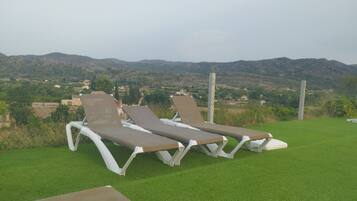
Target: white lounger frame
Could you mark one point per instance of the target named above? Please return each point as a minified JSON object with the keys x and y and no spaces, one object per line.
{"x":175,"y":121}
{"x":108,"y":158}
{"x":213,"y":150}
{"x":352,"y":120}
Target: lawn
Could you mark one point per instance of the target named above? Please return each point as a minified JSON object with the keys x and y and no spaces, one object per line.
{"x":320,"y":164}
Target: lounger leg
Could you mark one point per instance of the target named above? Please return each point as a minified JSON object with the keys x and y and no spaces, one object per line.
{"x":77,"y":140}
{"x":214,"y":149}
{"x":220,"y":147}
{"x":103,"y":150}
{"x":166,"y":157}
{"x":244,"y":140}
{"x":206,"y":151}
{"x":136,"y":151}
{"x":261,"y":147}
{"x":71,"y":146}
{"x":108,"y":158}
{"x":184,"y":152}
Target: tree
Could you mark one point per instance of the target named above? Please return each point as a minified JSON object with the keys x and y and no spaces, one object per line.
{"x":159,"y":97}
{"x":349,"y":86}
{"x":3,"y":107}
{"x":116,"y":91}
{"x":61,"y":114}
{"x":103,"y":83}
{"x":92,"y":84}
{"x":19,"y":100}
{"x":133,"y":96}
{"x":340,"y":107}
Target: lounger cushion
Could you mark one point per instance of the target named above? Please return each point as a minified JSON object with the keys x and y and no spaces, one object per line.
{"x":105,"y":193}
{"x":188,"y":110}
{"x":185,"y":134}
{"x":131,"y":138}
{"x":189,"y":113}
{"x":103,"y":119}
{"x":236,"y":132}
{"x":145,"y":118}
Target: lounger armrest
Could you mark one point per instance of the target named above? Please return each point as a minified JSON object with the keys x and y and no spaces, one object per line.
{"x":133,"y":126}
{"x":177,"y":124}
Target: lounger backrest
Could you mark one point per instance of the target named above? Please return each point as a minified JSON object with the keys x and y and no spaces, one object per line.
{"x":101,"y":111}
{"x":187,"y":109}
{"x":142,"y":116}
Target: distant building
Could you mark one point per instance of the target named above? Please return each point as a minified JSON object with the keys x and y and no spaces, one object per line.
{"x":22,"y":79}
{"x":5,"y":121}
{"x":182,"y":92}
{"x":123,"y":88}
{"x":230,"y":102}
{"x":145,"y":89}
{"x":85,"y":87}
{"x":86,"y":83}
{"x":75,"y":101}
{"x":66,"y":102}
{"x":43,"y":109}
{"x":288,"y":89}
{"x":77,"y":89}
{"x":262,"y":102}
{"x":57,"y":86}
{"x":244,"y":98}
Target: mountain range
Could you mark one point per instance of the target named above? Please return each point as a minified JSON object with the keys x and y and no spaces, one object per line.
{"x":276,"y":72}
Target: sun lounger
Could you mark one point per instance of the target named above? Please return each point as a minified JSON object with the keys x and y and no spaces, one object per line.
{"x":103,"y":122}
{"x":105,"y":193}
{"x":189,"y":114}
{"x":145,"y":118}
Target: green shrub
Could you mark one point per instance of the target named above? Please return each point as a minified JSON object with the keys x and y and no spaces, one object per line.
{"x":254,"y":114}
{"x":35,"y":134}
{"x":3,"y":108}
{"x":61,"y":114}
{"x":162,"y":111}
{"x":284,"y":113}
{"x":158,"y":97}
{"x":102,"y":83}
{"x":38,"y":132}
{"x":340,"y":107}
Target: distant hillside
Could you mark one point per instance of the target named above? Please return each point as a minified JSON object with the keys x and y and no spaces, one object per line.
{"x":278,"y":72}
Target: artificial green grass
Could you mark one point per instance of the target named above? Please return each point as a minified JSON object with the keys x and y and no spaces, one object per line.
{"x":320,"y":164}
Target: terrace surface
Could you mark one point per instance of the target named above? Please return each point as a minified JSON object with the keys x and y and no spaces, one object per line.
{"x":320,"y":164}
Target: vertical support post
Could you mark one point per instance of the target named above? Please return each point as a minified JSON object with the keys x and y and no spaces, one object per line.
{"x":302,"y":100}
{"x":211,"y":96}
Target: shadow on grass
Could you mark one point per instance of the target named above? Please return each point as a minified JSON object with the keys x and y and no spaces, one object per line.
{"x":148,"y":165}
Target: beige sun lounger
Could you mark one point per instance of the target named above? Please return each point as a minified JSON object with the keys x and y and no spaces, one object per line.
{"x":189,"y":114}
{"x":105,"y":193}
{"x":103,"y":122}
{"x":145,"y":118}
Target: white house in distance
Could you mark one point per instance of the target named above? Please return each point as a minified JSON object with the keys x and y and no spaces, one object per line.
{"x":75,"y":101}
{"x":86,"y":84}
{"x":5,"y":121}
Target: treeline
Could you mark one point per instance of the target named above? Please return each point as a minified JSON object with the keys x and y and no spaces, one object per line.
{"x":16,"y":98}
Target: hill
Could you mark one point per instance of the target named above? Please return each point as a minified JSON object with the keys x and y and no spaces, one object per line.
{"x":277,"y":72}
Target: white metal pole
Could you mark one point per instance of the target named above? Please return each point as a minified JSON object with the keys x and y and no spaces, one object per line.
{"x":302,"y":100}
{"x":211,"y":96}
